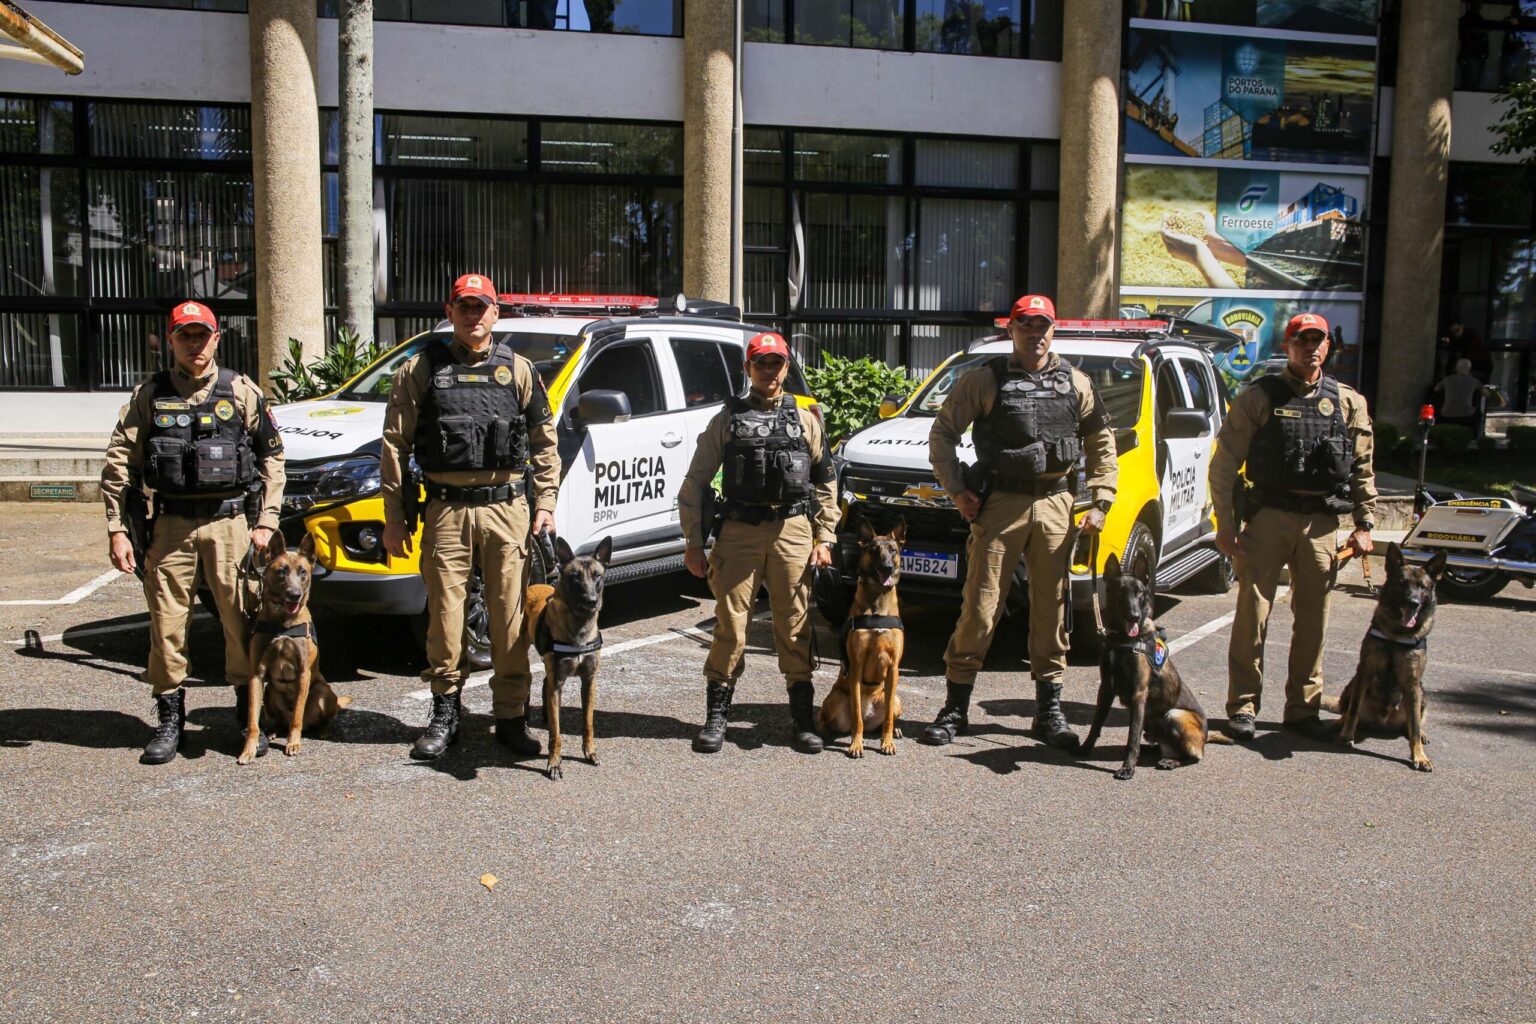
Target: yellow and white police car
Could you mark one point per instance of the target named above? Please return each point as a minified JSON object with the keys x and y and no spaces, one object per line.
{"x":632,"y":382}
{"x":1166,"y":402}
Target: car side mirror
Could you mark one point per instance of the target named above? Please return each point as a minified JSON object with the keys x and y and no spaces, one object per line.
{"x":602,"y":406}
{"x":1185,"y":423}
{"x":890,"y":405}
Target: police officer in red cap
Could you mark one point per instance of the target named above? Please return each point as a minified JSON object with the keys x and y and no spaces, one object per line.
{"x":780,"y":518}
{"x":1307,"y":443}
{"x":201,"y":438}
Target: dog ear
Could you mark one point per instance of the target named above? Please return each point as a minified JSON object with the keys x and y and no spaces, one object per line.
{"x":604,"y":551}
{"x":563,"y":551}
{"x":1436,"y":566}
{"x":276,"y":548}
{"x":866,"y":531}
{"x":1394,"y":558}
{"x":899,"y":533}
{"x":1112,"y":566}
{"x":307,"y":546}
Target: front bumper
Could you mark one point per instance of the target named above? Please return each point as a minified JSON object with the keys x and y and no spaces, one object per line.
{"x":357,"y":593}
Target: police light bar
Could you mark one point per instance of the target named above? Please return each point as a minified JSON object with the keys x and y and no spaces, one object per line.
{"x":576,"y":301}
{"x":1103,"y":326}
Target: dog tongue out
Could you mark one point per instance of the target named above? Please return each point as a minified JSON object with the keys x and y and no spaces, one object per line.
{"x":292,"y":607}
{"x":1135,"y":629}
{"x":1411,"y":620}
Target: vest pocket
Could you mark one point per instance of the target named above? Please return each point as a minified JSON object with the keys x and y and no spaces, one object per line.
{"x":166,"y":467}
{"x":500,"y":444}
{"x":1022,"y":463}
{"x":217,"y":463}
{"x":795,"y":475}
{"x":462,"y":442}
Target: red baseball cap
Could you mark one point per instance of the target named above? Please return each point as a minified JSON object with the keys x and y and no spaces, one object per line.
{"x":1305,"y":322}
{"x":767,"y":344}
{"x":192,"y":313}
{"x":1033,"y":305}
{"x":473,"y":286}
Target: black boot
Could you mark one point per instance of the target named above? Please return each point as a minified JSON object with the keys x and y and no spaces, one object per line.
{"x":806,"y":740}
{"x":513,"y":733}
{"x":442,"y":730}
{"x":717,"y":705}
{"x":954,"y":717}
{"x":1050,"y":724}
{"x":242,"y":708}
{"x":172,"y":710}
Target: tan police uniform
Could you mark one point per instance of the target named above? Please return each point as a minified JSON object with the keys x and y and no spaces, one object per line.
{"x":202,"y":537}
{"x":1012,"y":524}
{"x":457,"y":527}
{"x":1301,"y":537}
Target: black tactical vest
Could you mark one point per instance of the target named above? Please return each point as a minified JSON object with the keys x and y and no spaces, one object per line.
{"x":1032,"y":429}
{"x":470,"y":417}
{"x":197,"y":449}
{"x":767,"y":461}
{"x":1304,"y":445}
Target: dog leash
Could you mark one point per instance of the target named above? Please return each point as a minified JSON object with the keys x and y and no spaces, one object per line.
{"x":245,"y":572}
{"x":1069,"y":619}
{"x":546,"y":542}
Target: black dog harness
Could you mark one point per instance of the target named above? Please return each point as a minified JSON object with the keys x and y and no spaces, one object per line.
{"x":865,"y":622}
{"x":1153,"y":646}
{"x":303,"y":631}
{"x":545,"y":643}
{"x":1413,"y":645}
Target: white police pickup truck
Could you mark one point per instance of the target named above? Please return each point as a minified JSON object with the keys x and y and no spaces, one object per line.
{"x":1166,"y":403}
{"x":632,"y":383}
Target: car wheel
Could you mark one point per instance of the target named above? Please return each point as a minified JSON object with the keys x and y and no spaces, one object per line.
{"x":1471,"y":584}
{"x":1218,"y":577}
{"x":1141,"y":555}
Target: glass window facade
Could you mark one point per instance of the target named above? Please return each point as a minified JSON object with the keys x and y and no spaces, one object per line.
{"x":634,"y":17}
{"x":110,"y":212}
{"x":983,"y":28}
{"x":1495,"y":44}
{"x":900,"y":248}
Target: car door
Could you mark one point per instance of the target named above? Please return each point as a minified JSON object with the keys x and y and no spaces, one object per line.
{"x":623,"y":480}
{"x":710,"y":371}
{"x":1200,"y":386}
{"x":1179,"y":459}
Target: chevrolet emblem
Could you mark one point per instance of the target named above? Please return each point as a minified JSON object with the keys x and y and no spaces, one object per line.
{"x":924,"y":492}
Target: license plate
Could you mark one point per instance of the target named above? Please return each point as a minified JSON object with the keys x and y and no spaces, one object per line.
{"x":930,"y":563}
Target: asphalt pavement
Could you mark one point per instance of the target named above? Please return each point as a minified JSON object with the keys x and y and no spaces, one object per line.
{"x":990,"y":880}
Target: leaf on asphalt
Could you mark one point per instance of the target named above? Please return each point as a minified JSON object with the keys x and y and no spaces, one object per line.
{"x":1370,"y":824}
{"x":489,"y":881}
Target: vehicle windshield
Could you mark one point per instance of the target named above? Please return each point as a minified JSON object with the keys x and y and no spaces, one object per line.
{"x":547,"y":352}
{"x":1117,"y":380}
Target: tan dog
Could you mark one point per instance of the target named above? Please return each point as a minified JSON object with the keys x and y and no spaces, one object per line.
{"x":560,"y":622}
{"x":873,"y":643}
{"x":285,"y":660}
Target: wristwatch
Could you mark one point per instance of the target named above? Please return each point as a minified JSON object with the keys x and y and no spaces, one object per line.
{"x":1367,"y":526}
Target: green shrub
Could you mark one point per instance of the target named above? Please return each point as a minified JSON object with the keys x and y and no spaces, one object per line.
{"x":1487,"y":444}
{"x":296,"y":380}
{"x":1450,"y":438}
{"x":1387,"y":437}
{"x":1523,"y":439}
{"x":850,"y":391}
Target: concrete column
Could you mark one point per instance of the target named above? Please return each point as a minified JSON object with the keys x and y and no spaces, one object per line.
{"x":355,"y":275}
{"x":1421,"y":148}
{"x":285,"y":150}
{"x":709,"y":152}
{"x":1086,"y":281}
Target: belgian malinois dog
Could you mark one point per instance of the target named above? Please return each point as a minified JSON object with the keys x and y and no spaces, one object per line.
{"x":1136,"y":667}
{"x":1386,"y":696}
{"x":560,"y":622}
{"x":873,"y":642}
{"x":285,"y":660}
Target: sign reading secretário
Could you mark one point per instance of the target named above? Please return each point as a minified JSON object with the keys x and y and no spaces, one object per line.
{"x":52,"y":492}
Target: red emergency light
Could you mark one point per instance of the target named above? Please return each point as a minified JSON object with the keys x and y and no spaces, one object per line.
{"x":576,"y":301}
{"x":1098,"y":325}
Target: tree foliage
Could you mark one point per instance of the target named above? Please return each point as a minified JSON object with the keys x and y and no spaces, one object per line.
{"x":850,"y":391}
{"x":1516,"y":129}
{"x":296,"y":380}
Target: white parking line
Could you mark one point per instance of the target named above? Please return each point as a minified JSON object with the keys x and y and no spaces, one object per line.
{"x":122,"y":627}
{"x":76,"y":595}
{"x":1216,"y":625}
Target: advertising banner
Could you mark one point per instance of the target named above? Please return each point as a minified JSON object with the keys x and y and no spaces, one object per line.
{"x":1217,"y":96}
{"x":1235,"y":228}
{"x":1338,"y":17}
{"x":1261,"y":324}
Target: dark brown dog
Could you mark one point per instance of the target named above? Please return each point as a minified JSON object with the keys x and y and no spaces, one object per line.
{"x":873,"y":643}
{"x":1136,"y":667}
{"x":560,"y":622}
{"x":284,"y":656}
{"x":1386,"y":696}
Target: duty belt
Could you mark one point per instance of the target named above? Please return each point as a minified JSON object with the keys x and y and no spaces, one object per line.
{"x":1289,"y":501}
{"x":1037,"y":487}
{"x":202,"y":508}
{"x":492,"y":494}
{"x":752,"y":515}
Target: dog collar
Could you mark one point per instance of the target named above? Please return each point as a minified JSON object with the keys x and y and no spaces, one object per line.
{"x":875,"y":622}
{"x":545,"y":643}
{"x":302,"y":631}
{"x":1414,"y":645}
{"x":1153,"y":646}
